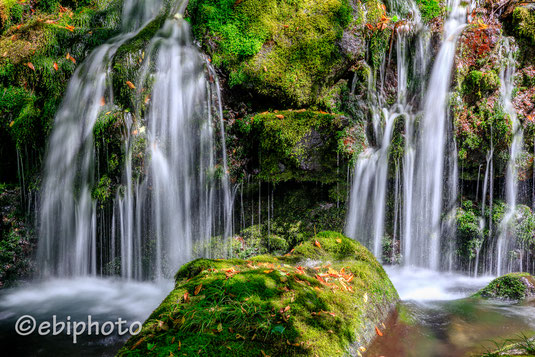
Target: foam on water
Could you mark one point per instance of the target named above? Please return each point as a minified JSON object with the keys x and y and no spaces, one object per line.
{"x":418,"y":284}
{"x":102,"y":298}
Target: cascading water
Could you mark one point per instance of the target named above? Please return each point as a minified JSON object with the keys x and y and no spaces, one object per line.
{"x":424,"y":165}
{"x":506,"y":239}
{"x":422,"y":239}
{"x":365,"y":222}
{"x":183,"y":183}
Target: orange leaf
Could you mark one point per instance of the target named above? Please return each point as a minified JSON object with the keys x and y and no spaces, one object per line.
{"x":338,"y":240}
{"x":11,"y":124}
{"x":197,"y":289}
{"x":370,"y":27}
{"x":280,"y":116}
{"x":71,"y":58}
{"x":70,"y":28}
{"x":56,"y":66}
{"x":130,"y":84}
{"x":378,"y":331}
{"x":317,"y":244}
{"x":186,"y":297}
{"x":268,"y":271}
{"x":31,"y":66}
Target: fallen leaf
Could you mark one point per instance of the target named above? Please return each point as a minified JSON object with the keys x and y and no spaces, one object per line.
{"x":71,"y":58}
{"x":56,"y":66}
{"x":70,"y":28}
{"x":197,"y":290}
{"x":11,"y":124}
{"x":29,"y":64}
{"x":130,"y":84}
{"x":268,"y":271}
{"x":280,"y":116}
{"x":317,"y":244}
{"x":378,"y":331}
{"x":186,"y":297}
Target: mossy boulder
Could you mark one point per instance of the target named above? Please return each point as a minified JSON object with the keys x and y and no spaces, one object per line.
{"x":513,"y":286}
{"x":292,"y":51}
{"x":328,"y":297}
{"x":295,"y":145}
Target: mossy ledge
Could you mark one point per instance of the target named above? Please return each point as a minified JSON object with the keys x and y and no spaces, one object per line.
{"x":514,"y":286}
{"x":328,"y":297}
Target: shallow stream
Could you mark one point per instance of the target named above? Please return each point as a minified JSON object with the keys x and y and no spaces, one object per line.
{"x":436,"y":317}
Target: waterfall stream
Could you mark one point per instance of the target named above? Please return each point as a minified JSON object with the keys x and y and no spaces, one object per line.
{"x":506,"y":238}
{"x":183,"y":197}
{"x":427,"y":134}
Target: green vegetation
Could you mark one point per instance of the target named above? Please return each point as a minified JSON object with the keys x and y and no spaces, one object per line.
{"x":323,"y":298}
{"x":524,"y":22}
{"x":429,"y":9}
{"x":514,"y":286}
{"x":294,"y":145}
{"x":37,"y":57}
{"x":285,"y":49}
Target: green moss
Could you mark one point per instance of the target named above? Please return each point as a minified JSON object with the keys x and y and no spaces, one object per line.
{"x":429,"y":9}
{"x":509,"y":287}
{"x":31,"y":88}
{"x":524,"y":22}
{"x":272,"y":305}
{"x":293,"y":145}
{"x":283,"y":49}
{"x":477,"y":82}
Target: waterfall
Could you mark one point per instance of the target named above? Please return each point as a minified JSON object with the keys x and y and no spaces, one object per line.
{"x":427,"y":135}
{"x":367,"y":204}
{"x":506,"y":239}
{"x":183,"y":196}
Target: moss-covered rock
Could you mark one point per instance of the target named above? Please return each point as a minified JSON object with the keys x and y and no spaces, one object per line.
{"x":296,"y":145}
{"x":327,"y":297}
{"x":292,"y":51}
{"x":514,"y":286}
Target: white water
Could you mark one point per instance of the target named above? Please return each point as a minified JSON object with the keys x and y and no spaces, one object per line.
{"x":424,"y":190}
{"x":367,"y":208}
{"x":420,"y":284}
{"x":184,"y":188}
{"x":506,"y":238}
{"x":426,"y":172}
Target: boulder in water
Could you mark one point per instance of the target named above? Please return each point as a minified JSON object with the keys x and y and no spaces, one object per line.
{"x":328,"y":297}
{"x":513,"y":286}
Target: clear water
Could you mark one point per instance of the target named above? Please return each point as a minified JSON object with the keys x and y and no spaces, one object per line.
{"x":437,"y":319}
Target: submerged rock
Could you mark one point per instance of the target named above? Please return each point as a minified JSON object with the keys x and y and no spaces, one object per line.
{"x":328,"y":297}
{"x":514,"y":286}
